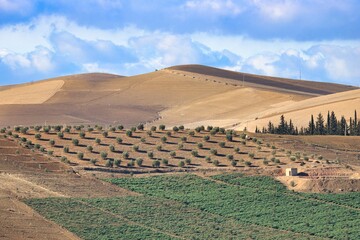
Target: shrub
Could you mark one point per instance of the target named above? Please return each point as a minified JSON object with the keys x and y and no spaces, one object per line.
{"x":222,"y":144}
{"x":52,"y":142}
{"x":75,"y":141}
{"x":82,"y":134}
{"x":135,"y":148}
{"x":38,"y":136}
{"x":139,"y":161}
{"x":46,"y":129}
{"x":184,"y":139}
{"x":168,"y":133}
{"x":293,"y":158}
{"x":192,"y":133}
{"x":149,"y":133}
{"x":64,"y":159}
{"x":181,"y":127}
{"x":109,"y":163}
{"x":208,"y":159}
{"x":175,"y":129}
{"x":60,"y":135}
{"x":163,"y":139}
{"x":129,"y":133}
{"x":66,"y":149}
{"x":80,"y":155}
{"x":216,"y":162}
{"x":143,"y":140}
{"x":188,"y":161}
{"x":248,"y":164}
{"x":103,"y":155}
{"x":236,"y":150}
{"x":150,"y":155}
{"x":320,"y":157}
{"x":153,"y":128}
{"x":213,"y":132}
{"x":251,"y":155}
{"x":180,"y":146}
{"x":230,"y":157}
{"x":159,"y":147}
{"x":90,"y":148}
{"x":209,"y":128}
{"x":198,"y":129}
{"x":93,"y":161}
{"x":117,"y":162}
{"x":120,"y":127}
{"x":105,"y":134}
{"x":172,"y":154}
{"x":229,"y":137}
{"x":273,"y":147}
{"x":200,"y":145}
{"x":306,"y":158}
{"x":213,"y":151}
{"x":90,"y":129}
{"x":277,"y":161}
{"x":265,"y":162}
{"x":233,"y":163}
{"x":125,"y":155}
{"x":98,"y":141}
{"x":165,"y":161}
{"x":206,"y":138}
{"x":222,"y":130}
{"x":194,"y":153}
{"x":162,"y":127}
{"x":258,"y":148}
{"x":131,"y":163}
{"x":140,"y":127}
{"x":273,"y":152}
{"x":181,"y":164}
{"x":119,"y":140}
{"x":156,"y":164}
{"x":112,"y":148}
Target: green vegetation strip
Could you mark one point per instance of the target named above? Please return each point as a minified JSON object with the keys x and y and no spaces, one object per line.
{"x":227,"y":206}
{"x":259,"y":201}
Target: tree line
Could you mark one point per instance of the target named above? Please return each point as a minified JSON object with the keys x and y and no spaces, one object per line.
{"x":331,"y":126}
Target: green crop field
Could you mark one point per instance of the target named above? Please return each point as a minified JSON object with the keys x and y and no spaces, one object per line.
{"x":228,"y":206}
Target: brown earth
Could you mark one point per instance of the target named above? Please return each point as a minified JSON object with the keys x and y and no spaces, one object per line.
{"x":190,"y":95}
{"x":24,"y":174}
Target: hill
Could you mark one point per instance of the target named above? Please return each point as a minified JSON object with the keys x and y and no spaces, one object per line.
{"x":188,"y":94}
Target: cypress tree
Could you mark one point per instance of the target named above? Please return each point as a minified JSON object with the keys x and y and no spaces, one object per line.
{"x":320,"y":129}
{"x":333,"y":124}
{"x":311,"y":126}
{"x":328,"y":125}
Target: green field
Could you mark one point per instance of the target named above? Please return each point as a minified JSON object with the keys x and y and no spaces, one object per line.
{"x":227,"y":206}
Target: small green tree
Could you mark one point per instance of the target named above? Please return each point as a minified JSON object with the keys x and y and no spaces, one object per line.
{"x":156,"y":163}
{"x":93,"y":161}
{"x":75,"y":142}
{"x":119,"y":140}
{"x":216,"y":162}
{"x":165,"y":162}
{"x":125,"y":155}
{"x":206,"y":138}
{"x":38,"y":136}
{"x":153,"y":128}
{"x":230,"y":157}
{"x":175,"y":129}
{"x":52,"y":142}
{"x":105,"y":134}
{"x":181,"y":164}
{"x":139,"y":162}
{"x":112,"y":148}
{"x":90,"y":148}
{"x":109,"y":163}
{"x":236,"y":149}
{"x":117,"y":162}
{"x":135,"y":148}
{"x":163,"y":139}
{"x":80,"y":155}
{"x":103,"y":155}
{"x":200,"y":145}
{"x":162,"y":127}
{"x":173,"y":154}
{"x":98,"y":141}
{"x":222,"y":144}
{"x":66,"y":149}
{"x":194,"y":153}
{"x":213,"y":151}
{"x":82,"y":134}
{"x":188,"y":161}
{"x":233,"y":163}
{"x":129,"y":133}
{"x":60,"y":135}
{"x":150,"y":155}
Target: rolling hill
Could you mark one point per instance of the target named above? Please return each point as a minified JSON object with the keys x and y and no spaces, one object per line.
{"x":187,"y":94}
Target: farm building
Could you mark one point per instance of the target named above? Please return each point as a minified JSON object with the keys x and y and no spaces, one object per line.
{"x":291,"y":172}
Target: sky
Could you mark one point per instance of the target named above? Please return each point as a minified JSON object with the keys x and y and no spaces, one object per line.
{"x":44,"y":38}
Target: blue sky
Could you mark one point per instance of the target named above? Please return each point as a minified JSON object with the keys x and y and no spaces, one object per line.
{"x":44,"y":38}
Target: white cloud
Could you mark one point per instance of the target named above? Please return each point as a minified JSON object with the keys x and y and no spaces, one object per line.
{"x":20,"y":6}
{"x":221,"y":7}
{"x":278,"y":9}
